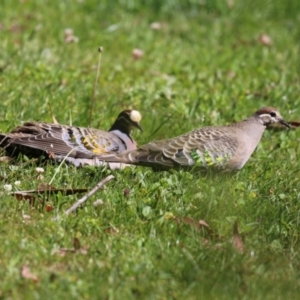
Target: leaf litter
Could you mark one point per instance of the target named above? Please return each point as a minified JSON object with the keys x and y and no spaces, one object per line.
{"x":237,"y":241}
{"x":47,"y":189}
{"x":27,"y":274}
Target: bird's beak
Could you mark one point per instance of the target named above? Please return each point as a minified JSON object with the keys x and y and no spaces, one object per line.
{"x":285,"y":123}
{"x":138,"y":126}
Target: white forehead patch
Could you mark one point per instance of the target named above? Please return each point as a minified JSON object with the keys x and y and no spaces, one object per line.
{"x":135,"y":116}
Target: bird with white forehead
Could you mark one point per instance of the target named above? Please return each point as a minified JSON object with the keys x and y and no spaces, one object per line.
{"x":219,"y":147}
{"x":77,"y":145}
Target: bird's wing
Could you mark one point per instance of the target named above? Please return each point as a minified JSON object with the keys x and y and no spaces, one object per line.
{"x":205,"y":147}
{"x":65,"y":140}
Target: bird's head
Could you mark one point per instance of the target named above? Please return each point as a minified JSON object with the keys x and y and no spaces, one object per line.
{"x":127,"y":120}
{"x":270,"y":115}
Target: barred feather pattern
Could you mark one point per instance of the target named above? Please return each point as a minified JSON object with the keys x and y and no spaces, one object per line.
{"x":77,"y":145}
{"x":219,"y":147}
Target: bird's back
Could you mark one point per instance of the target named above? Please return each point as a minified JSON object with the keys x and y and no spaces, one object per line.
{"x":64,"y":140}
{"x":207,"y":147}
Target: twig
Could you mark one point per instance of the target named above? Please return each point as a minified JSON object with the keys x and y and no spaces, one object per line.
{"x":89,"y":194}
{"x":100,"y":50}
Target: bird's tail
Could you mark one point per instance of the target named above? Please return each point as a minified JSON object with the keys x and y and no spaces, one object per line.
{"x":141,"y":157}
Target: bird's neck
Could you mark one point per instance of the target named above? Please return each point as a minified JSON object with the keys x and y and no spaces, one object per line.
{"x":120,"y":126}
{"x":126,"y":139}
{"x":253,"y":126}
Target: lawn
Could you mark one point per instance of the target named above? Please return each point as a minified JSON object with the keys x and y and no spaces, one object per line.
{"x":155,"y":235}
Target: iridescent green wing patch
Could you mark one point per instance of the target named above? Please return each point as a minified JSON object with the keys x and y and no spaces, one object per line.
{"x":205,"y":159}
{"x":73,"y":140}
{"x":71,"y":137}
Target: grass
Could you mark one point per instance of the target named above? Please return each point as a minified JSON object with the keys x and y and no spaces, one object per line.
{"x":204,"y":66}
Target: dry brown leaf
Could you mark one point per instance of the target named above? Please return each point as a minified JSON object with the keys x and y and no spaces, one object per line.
{"x":63,"y":251}
{"x":31,"y":198}
{"x":69,"y":191}
{"x":77,"y":248}
{"x":237,"y":242}
{"x":112,"y":230}
{"x":48,"y":207}
{"x":126,"y":192}
{"x":231,"y":74}
{"x":198,"y":225}
{"x":25,"y":273}
{"x":5,"y":159}
{"x":51,"y":154}
{"x":137,"y":54}
{"x":190,"y":221}
{"x":26,"y":217}
{"x":156,"y":26}
{"x":46,"y":189}
{"x":24,"y":196}
{"x":205,"y":241}
{"x":76,"y":243}
{"x":203,"y":223}
{"x":265,"y":39}
{"x":205,"y":226}
{"x":43,"y":188}
{"x":69,"y":36}
{"x":83,"y":250}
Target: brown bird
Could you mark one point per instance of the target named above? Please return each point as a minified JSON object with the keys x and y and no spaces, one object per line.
{"x":77,"y":145}
{"x":222,"y":147}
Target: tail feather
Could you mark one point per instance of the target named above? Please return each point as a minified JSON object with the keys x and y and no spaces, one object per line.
{"x":140,"y":157}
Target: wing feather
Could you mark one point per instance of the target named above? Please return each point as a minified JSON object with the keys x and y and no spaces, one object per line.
{"x":64,"y":140}
{"x":208,"y":146}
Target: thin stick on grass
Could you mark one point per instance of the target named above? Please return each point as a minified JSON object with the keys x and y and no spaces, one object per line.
{"x":100,"y":50}
{"x":89,"y":194}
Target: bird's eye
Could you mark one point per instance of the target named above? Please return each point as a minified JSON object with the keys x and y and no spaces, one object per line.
{"x":273,"y":114}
